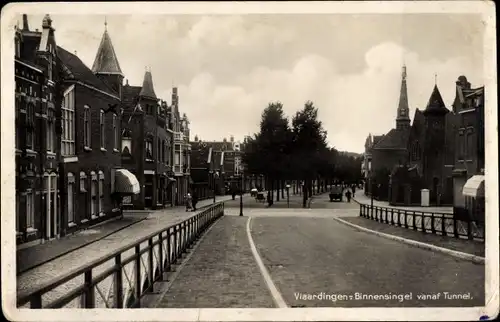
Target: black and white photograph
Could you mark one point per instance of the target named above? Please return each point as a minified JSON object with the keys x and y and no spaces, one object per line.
{"x":249,"y":161}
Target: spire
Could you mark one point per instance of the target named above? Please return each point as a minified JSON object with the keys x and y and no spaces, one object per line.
{"x":147,"y":89}
{"x":403,"y":112}
{"x":105,"y":61}
{"x":26,"y":26}
{"x":436,"y":104}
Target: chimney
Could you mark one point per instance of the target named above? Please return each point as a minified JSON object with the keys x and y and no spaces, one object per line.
{"x":26,"y":26}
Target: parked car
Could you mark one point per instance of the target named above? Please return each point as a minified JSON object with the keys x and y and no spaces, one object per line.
{"x":335,"y":193}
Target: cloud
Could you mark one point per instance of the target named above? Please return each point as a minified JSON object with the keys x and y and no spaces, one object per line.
{"x":228,"y":68}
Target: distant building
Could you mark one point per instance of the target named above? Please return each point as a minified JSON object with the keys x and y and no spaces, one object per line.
{"x":469,"y":157}
{"x":37,"y":120}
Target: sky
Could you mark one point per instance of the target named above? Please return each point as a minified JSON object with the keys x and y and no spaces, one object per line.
{"x":229,"y":67}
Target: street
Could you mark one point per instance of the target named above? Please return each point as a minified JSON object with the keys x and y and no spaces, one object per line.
{"x":315,"y":261}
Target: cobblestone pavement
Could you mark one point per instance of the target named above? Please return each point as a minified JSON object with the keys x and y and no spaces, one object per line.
{"x":34,"y":278}
{"x":222,"y":273}
{"x":362,"y":198}
{"x":308,"y":254}
{"x":461,"y":245}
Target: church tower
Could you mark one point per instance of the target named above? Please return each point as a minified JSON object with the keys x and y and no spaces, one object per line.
{"x":106,"y":65}
{"x":403,"y":112}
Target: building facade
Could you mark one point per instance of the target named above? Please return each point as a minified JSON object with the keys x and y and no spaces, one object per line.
{"x":37,"y":120}
{"x":469,"y":157}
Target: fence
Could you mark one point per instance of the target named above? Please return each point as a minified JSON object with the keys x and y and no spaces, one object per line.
{"x":427,"y":222}
{"x":119,"y":280}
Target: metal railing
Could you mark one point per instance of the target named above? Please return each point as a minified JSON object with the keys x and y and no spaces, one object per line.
{"x":120,"y":279}
{"x":438,"y":223}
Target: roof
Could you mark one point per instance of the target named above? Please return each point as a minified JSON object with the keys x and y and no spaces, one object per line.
{"x":436,"y":104}
{"x":395,"y":139}
{"x":130,"y":94}
{"x":147,"y":86}
{"x":106,"y":61}
{"x":81,"y":72}
{"x":377,"y":138}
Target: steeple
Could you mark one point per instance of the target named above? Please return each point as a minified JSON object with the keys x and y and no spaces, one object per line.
{"x":403,"y":112}
{"x":435,"y":105}
{"x":147,"y":89}
{"x":105,"y":61}
{"x":106,"y":65}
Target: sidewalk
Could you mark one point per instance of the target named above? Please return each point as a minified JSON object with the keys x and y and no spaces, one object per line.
{"x":457,"y":244}
{"x":363,"y":199}
{"x":222,"y":273}
{"x":49,"y":269}
{"x":31,"y":257}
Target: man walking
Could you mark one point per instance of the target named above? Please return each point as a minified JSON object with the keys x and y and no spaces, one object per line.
{"x":189,"y":202}
{"x":348,"y":195}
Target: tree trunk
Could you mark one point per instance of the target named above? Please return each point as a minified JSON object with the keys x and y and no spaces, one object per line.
{"x":304,"y":195}
{"x":277,"y":190}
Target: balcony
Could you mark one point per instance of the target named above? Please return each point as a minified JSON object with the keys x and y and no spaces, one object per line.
{"x":178,"y":170}
{"x":178,"y":137}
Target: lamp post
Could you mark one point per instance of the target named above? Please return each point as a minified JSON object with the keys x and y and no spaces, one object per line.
{"x":215,"y":176}
{"x":288,"y":196}
{"x":241,"y":196}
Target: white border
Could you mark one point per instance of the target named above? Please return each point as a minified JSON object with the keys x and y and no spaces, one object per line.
{"x":486,"y":9}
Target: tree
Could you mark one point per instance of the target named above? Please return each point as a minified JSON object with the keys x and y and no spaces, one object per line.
{"x":266,"y":153}
{"x":309,"y":141}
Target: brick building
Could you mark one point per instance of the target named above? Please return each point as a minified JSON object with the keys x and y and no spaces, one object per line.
{"x":94,"y":181}
{"x":411,"y":157}
{"x":37,"y":120}
{"x":469,"y":157}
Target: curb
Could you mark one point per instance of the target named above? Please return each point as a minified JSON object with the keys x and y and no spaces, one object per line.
{"x":465,"y":256}
{"x":80,"y":246}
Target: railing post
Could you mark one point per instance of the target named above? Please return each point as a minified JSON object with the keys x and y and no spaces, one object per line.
{"x":392,"y":216}
{"x":443,"y":225}
{"x":174,"y":254}
{"x":423,"y":223}
{"x":386,"y":215}
{"x":89,"y":290}
{"x":406,"y":218}
{"x":151,"y":273}
{"x":169,"y":249}
{"x":433,"y":223}
{"x":160,"y":251}
{"x":118,"y":284}
{"x":360,"y":210}
{"x":414,"y":221}
{"x":399,"y":218}
{"x":138,"y":285}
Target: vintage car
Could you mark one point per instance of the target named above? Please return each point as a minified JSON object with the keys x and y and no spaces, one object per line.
{"x":335,"y":193}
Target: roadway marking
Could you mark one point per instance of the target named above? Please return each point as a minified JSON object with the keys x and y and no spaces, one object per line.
{"x":278,"y":299}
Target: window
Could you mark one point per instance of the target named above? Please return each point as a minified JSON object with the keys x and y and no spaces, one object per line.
{"x":86,"y":127}
{"x":470,"y":146}
{"x":461,"y":144}
{"x":68,"y":123}
{"x":71,"y":191}
{"x":83,"y":179}
{"x":101,"y":192}
{"x":50,"y":137}
{"x":102,"y":130}
{"x":116,"y":133}
{"x":30,"y":209}
{"x":93,"y":195}
{"x":30,"y":119}
{"x":149,"y":149}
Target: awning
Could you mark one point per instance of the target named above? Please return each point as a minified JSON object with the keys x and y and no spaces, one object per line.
{"x":126,"y":182}
{"x":474,"y":187}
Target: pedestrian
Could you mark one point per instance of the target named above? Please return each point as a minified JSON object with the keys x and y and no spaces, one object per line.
{"x":233,"y":193}
{"x":189,"y":202}
{"x":195,"y":200}
{"x":353,"y":190}
{"x":348,"y":195}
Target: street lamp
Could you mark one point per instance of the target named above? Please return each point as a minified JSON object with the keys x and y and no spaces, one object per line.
{"x":241,"y":196}
{"x":288,"y":195}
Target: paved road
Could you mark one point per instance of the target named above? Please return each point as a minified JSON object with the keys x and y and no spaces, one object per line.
{"x":310,"y":255}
